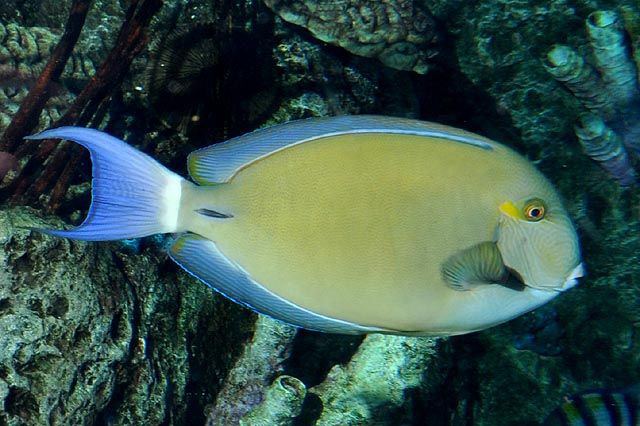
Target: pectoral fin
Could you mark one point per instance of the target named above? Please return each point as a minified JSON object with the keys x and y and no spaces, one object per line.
{"x":480,"y":264}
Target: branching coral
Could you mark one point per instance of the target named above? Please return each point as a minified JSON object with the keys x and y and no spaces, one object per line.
{"x":397,"y":32}
{"x":609,"y":94}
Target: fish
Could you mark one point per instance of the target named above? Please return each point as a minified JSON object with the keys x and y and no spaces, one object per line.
{"x":348,"y":224}
{"x":605,"y":407}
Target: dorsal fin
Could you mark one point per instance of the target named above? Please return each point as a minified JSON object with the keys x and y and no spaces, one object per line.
{"x":218,"y":163}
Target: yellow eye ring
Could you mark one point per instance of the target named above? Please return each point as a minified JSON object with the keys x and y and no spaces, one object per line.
{"x":534,"y":210}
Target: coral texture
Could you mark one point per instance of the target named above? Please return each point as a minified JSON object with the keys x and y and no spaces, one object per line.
{"x":281,"y":404}
{"x":315,"y":82}
{"x":247,"y":385}
{"x":23,"y":53}
{"x":397,"y":32}
{"x":377,"y":380}
{"x":611,"y":97}
{"x":92,"y":335}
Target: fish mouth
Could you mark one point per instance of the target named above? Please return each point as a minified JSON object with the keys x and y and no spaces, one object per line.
{"x":572,"y":279}
{"x":570,"y":282}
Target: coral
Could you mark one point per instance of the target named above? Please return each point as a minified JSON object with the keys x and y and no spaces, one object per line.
{"x":29,"y":31}
{"x":23,"y":54}
{"x":27,"y":48}
{"x":195,"y":66}
{"x":91,"y":335}
{"x":247,"y":385}
{"x":377,"y":380}
{"x":316,"y":82}
{"x":399,"y":33}
{"x":52,"y":13}
{"x":281,"y":404}
{"x":612,"y":99}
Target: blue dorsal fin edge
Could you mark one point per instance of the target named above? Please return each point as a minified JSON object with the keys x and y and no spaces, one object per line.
{"x":202,"y":259}
{"x":219,"y":162}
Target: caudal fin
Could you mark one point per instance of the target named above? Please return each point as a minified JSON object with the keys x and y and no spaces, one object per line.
{"x":132,"y":194}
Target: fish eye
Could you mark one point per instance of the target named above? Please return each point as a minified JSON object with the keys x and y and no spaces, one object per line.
{"x":534,"y":210}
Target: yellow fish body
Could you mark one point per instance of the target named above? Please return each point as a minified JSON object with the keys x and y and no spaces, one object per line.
{"x":348,"y":224}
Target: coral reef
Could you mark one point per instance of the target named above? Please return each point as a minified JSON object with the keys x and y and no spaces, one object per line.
{"x":24,"y":52}
{"x":315,"y":82}
{"x":376,"y":382}
{"x":612,"y":99}
{"x":52,"y":13}
{"x":247,"y":385}
{"x":114,"y":333}
{"x":499,"y":45}
{"x":281,"y":405}
{"x":88,"y":334}
{"x":400,"y":33}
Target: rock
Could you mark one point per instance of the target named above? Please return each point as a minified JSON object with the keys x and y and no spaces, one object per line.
{"x":88,"y":334}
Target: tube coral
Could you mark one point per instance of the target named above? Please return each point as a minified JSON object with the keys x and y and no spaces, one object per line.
{"x":568,"y":67}
{"x":611,"y":94}
{"x":612,"y":57}
{"x":605,"y":146}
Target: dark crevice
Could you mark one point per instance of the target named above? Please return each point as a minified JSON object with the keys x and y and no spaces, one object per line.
{"x":314,"y":354}
{"x":126,"y":377}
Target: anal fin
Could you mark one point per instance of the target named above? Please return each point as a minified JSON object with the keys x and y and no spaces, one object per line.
{"x":202,"y":258}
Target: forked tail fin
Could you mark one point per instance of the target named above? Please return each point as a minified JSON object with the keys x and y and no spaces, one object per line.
{"x":132,"y":194}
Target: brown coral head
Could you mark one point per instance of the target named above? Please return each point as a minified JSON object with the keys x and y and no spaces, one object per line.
{"x":11,"y":76}
{"x":7,"y":162}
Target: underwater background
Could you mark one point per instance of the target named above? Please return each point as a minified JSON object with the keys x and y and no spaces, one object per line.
{"x":116,"y":333}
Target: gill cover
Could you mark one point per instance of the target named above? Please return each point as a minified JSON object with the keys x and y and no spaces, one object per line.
{"x":541,"y":246}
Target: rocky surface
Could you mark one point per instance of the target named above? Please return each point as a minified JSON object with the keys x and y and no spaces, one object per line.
{"x":91,"y":334}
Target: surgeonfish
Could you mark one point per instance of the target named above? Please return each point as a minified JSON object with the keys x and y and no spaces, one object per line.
{"x":349,"y":224}
{"x":598,"y":408}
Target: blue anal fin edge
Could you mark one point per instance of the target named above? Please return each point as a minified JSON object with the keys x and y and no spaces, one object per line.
{"x":202,"y":259}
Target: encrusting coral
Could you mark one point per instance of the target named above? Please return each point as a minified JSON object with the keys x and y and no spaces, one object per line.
{"x":399,"y":33}
{"x":89,"y":334}
{"x":281,"y":404}
{"x":611,"y":125}
{"x":247,"y":385}
{"x":376,"y":381}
